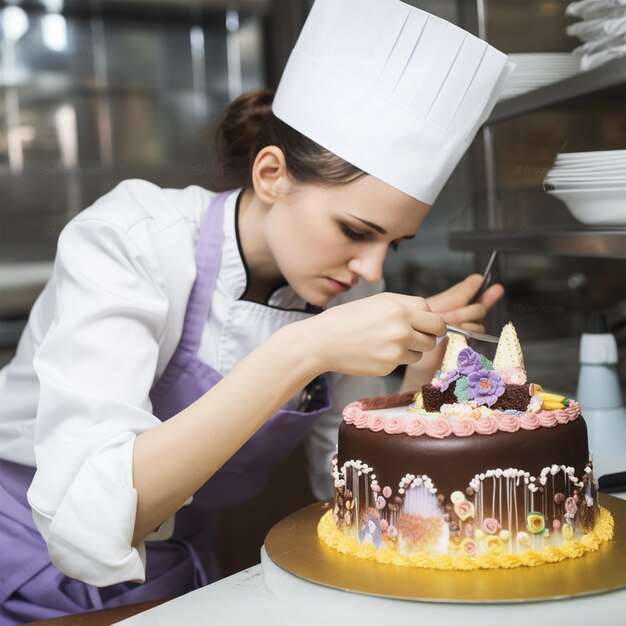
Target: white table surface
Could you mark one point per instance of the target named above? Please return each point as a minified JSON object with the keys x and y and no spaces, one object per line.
{"x":267,"y":595}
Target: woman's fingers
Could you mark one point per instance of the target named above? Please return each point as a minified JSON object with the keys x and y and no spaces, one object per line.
{"x":470,"y":313}
{"x":412,"y":357}
{"x":425,"y":324}
{"x":421,"y":342}
{"x":456,"y":296}
{"x":461,"y":294}
{"x":491,"y":296}
{"x":428,"y":326}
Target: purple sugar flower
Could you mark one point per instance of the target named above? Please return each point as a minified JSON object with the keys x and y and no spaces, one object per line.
{"x":485,"y":386}
{"x":451,"y":376}
{"x":468,"y":361}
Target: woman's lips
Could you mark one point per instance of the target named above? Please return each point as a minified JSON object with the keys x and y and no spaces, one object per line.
{"x":337,"y":286}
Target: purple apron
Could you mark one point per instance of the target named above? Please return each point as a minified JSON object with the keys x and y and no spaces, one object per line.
{"x":31,"y":588}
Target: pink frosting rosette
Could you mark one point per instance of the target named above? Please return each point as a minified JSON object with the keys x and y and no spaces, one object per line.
{"x":514,"y":375}
{"x":464,"y":427}
{"x":360,"y":419}
{"x":572,"y":411}
{"x":487,"y":425}
{"x":351,"y":412}
{"x":376,"y":422}
{"x":491,"y":525}
{"x":464,"y":510}
{"x":570,"y":507}
{"x":548,"y":419}
{"x":416,"y":427}
{"x":562,"y":417}
{"x":436,"y":382}
{"x":395,"y":425}
{"x":529,"y":421}
{"x":508,"y":423}
{"x":438,"y":428}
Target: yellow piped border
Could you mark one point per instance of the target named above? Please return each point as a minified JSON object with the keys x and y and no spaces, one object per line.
{"x":336,"y":539}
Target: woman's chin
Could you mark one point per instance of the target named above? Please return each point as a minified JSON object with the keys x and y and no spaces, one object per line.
{"x":316,"y":298}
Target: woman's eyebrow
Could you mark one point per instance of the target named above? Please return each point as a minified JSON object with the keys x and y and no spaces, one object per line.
{"x":376,"y":227}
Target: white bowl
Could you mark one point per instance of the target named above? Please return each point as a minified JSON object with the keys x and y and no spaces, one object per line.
{"x":602,"y":207}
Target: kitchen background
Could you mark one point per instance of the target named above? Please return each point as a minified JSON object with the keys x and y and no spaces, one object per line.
{"x":93,"y":92}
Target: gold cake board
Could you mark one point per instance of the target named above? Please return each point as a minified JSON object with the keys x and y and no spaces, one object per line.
{"x":293,"y":544}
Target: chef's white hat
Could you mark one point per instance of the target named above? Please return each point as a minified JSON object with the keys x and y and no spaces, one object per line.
{"x":391,"y":89}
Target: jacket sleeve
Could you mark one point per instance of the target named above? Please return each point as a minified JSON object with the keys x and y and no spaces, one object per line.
{"x":96,"y":365}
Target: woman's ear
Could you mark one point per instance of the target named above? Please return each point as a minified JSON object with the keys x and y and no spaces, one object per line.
{"x":270,"y":177}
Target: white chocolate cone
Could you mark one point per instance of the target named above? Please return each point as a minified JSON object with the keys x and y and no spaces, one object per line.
{"x":456,"y":343}
{"x":509,"y":351}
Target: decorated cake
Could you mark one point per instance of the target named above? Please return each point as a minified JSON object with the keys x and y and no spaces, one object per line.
{"x":480,"y":469}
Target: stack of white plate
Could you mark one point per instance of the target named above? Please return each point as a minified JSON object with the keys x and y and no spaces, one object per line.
{"x":592,"y":185}
{"x":534,"y":70}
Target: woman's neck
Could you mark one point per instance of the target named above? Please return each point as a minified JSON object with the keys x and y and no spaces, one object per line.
{"x":264,"y":276}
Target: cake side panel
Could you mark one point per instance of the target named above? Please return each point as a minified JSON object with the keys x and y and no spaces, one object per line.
{"x":484,"y":493}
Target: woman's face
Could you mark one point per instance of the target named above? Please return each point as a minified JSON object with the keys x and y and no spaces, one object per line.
{"x":325,"y":239}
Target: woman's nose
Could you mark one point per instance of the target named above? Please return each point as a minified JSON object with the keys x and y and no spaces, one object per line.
{"x":369,"y":264}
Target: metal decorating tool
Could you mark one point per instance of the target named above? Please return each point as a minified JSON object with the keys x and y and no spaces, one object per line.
{"x":471,"y":334}
{"x":486,"y":278}
{"x":481,"y":290}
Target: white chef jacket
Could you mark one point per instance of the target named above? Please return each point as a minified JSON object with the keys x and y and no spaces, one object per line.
{"x":100,"y":334}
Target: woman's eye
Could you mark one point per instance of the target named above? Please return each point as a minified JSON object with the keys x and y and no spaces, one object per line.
{"x":394,"y":246}
{"x":352,"y":234}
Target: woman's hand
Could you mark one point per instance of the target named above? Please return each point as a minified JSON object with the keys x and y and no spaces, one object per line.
{"x":454,"y":307}
{"x":454,"y":303}
{"x":372,"y":336}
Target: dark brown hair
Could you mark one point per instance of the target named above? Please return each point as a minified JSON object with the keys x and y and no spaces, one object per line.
{"x":247,"y":125}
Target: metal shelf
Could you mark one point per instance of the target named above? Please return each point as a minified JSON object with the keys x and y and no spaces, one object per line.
{"x":608,"y":75}
{"x":553,"y":241}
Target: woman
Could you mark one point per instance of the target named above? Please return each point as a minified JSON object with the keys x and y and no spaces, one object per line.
{"x":188,"y":340}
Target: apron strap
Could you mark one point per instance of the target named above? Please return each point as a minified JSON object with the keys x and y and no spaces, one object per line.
{"x":208,"y":257}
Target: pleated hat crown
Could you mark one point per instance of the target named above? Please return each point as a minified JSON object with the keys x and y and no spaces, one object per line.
{"x":395,"y":91}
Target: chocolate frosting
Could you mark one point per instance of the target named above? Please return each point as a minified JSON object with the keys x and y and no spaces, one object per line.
{"x":453,"y":461}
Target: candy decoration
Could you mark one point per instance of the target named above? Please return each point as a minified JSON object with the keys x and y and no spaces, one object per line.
{"x":535,"y":522}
